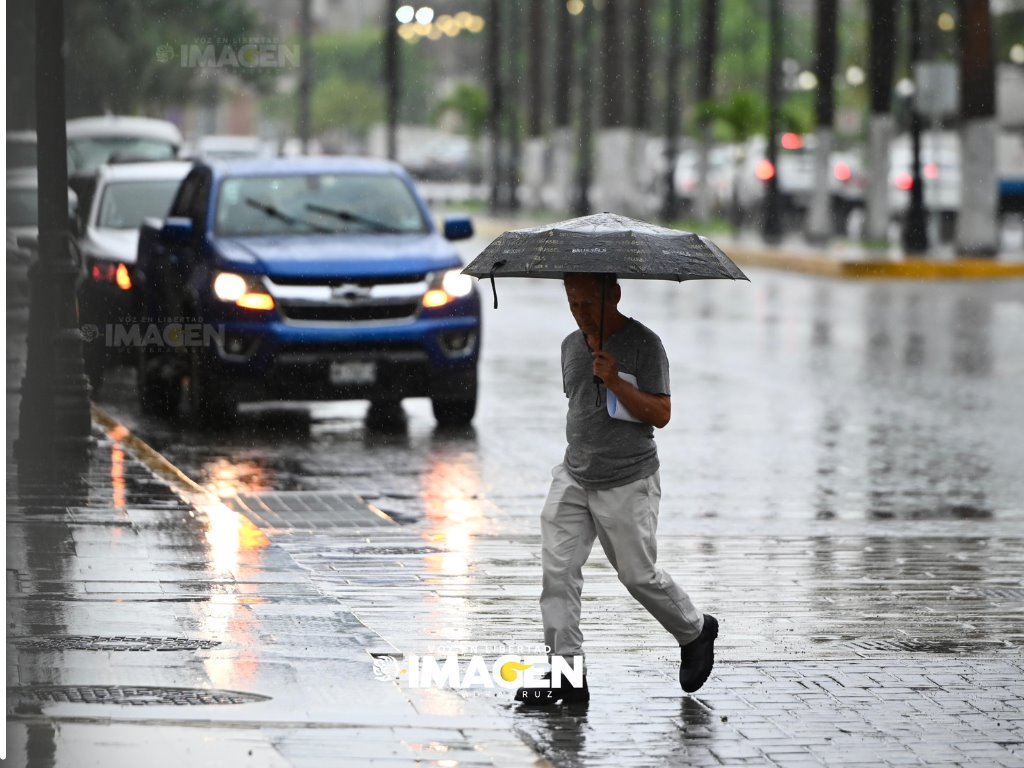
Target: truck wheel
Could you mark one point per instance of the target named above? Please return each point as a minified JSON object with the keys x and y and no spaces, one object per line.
{"x":455,"y":403}
{"x":210,"y":401}
{"x":159,"y":386}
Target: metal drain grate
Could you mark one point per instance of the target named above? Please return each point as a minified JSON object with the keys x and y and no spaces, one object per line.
{"x":310,"y":510}
{"x":117,"y":694}
{"x":119,"y":643}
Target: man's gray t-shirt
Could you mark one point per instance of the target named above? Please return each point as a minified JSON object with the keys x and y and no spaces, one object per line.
{"x":603,"y":452}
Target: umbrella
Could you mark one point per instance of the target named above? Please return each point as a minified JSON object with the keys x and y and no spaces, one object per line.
{"x":603,"y":243}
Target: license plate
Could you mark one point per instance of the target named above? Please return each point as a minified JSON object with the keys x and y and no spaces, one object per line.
{"x":353,"y":373}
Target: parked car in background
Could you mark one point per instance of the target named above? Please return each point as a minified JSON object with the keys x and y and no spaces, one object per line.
{"x":125,"y":196}
{"x":225,"y":147}
{"x":721,"y":177}
{"x":738,"y":175}
{"x":22,"y":149}
{"x":23,"y":231}
{"x":308,"y":278}
{"x":97,"y":141}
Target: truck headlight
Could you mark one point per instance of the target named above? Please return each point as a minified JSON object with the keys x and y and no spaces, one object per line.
{"x":247,"y":293}
{"x":445,"y":287}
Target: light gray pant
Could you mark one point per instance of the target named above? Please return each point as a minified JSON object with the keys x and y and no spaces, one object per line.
{"x":625,"y":519}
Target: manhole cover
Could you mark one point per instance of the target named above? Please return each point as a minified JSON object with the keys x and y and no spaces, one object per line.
{"x":119,"y":643}
{"x":119,"y":694}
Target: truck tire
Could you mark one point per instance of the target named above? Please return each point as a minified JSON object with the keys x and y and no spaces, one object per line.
{"x":159,"y":386}
{"x":210,"y":401}
{"x":454,"y":403}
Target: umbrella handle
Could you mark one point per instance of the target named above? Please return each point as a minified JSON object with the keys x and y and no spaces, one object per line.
{"x":494,"y":290}
{"x":600,"y":338}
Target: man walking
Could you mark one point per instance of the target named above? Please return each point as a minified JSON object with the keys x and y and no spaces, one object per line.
{"x":608,"y":485}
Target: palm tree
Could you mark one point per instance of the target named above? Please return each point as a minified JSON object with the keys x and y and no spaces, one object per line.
{"x":819,"y":217}
{"x":977,"y":224}
{"x":881,"y":69}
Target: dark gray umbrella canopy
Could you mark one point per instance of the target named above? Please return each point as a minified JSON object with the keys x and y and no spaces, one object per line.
{"x":604,"y":243}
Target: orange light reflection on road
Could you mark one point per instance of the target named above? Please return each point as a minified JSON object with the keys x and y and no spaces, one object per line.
{"x":226,"y":477}
{"x":117,"y":474}
{"x":451,"y":492}
{"x":235,"y":545}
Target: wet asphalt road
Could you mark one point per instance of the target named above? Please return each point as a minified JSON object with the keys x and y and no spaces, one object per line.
{"x":842,"y":487}
{"x":794,"y":398}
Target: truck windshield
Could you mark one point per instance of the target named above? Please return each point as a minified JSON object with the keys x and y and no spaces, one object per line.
{"x":317,"y":204}
{"x":125,"y":204}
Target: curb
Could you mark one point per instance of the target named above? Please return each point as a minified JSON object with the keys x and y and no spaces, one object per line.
{"x":914,"y":269}
{"x":155,"y":461}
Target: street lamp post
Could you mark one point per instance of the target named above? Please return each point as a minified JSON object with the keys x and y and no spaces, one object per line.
{"x":54,"y":421}
{"x":915,"y":230}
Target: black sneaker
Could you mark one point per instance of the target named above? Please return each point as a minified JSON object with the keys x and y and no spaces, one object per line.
{"x":698,"y":656}
{"x":566,"y":693}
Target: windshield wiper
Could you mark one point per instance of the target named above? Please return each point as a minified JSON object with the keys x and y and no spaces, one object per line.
{"x":343,"y":215}
{"x":280,"y":215}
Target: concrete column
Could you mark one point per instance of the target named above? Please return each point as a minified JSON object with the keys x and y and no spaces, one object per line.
{"x":880,"y":133}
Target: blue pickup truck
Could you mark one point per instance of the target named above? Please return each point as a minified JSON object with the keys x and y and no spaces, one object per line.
{"x":302,"y":279}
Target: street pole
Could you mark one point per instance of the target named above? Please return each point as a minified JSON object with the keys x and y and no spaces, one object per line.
{"x":305,"y":74}
{"x":771,"y":228}
{"x":670,"y":204}
{"x":392,"y":75}
{"x":915,"y":229}
{"x":54,"y":422}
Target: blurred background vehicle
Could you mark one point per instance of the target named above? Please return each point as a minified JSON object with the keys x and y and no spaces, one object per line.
{"x":95,"y":141}
{"x":721,"y":177}
{"x":126,"y":194}
{"x":226,"y":147}
{"x":22,"y":147}
{"x":23,"y":231}
{"x":314,"y":278}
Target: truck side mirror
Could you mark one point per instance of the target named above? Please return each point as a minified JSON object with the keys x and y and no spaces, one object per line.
{"x":458,"y":227}
{"x":177,"y":229}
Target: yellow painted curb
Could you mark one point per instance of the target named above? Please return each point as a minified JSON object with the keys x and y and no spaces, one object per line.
{"x":912,"y":269}
{"x":155,"y":461}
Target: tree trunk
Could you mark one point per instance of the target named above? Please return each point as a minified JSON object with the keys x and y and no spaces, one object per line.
{"x":535,"y":46}
{"x":565,"y":69}
{"x":494,"y":113}
{"x":978,"y":223}
{"x":708,"y":49}
{"x":673,"y":106}
{"x":881,"y":68}
{"x":613,"y":91}
{"x":585,"y":164}
{"x":819,"y":217}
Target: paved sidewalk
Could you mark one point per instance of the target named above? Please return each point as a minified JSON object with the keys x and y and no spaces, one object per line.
{"x":148,"y":624}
